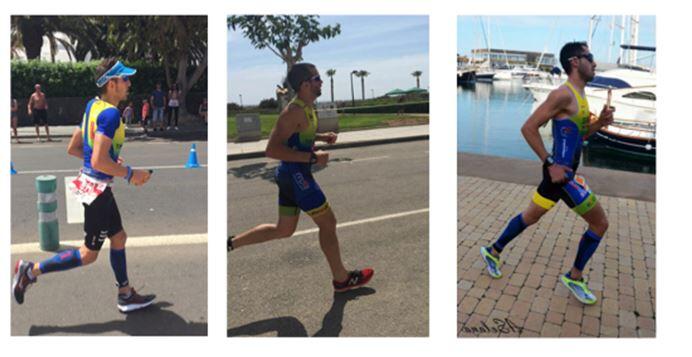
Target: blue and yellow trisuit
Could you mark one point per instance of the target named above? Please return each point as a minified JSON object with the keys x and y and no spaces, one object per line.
{"x":298,"y":190}
{"x":101,"y":217}
{"x":568,"y":137}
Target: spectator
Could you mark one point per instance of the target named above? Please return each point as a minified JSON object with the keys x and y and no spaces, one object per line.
{"x":13,"y":121}
{"x":158,"y":102}
{"x":203,"y":110}
{"x":129,"y":113}
{"x":38,"y":108}
{"x":173,"y":105}
{"x":145,"y":114}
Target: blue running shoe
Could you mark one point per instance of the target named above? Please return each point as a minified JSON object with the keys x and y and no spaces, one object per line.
{"x":492,"y":263}
{"x":579,"y":289}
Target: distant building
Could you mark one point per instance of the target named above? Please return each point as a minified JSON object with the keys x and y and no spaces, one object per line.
{"x":500,"y":57}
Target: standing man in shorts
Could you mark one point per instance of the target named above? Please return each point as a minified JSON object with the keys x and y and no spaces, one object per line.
{"x":158,"y":104}
{"x":292,"y":141}
{"x":569,"y":111}
{"x":38,"y":109}
{"x":97,"y":142}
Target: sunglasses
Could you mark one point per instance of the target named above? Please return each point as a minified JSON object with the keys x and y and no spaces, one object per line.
{"x":588,"y":57}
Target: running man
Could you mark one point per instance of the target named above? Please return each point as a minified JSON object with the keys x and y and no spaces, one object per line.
{"x":292,"y":141}
{"x":97,"y":142}
{"x":38,"y":109}
{"x":569,"y":111}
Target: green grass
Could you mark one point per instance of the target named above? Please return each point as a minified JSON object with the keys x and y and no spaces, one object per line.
{"x":347,"y":122}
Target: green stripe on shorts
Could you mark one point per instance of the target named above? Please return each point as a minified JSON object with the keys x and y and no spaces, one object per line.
{"x":586,"y":206}
{"x":288,"y":211}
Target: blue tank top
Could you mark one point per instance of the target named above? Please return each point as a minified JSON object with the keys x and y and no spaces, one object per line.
{"x":103,"y":118}
{"x":303,"y":140}
{"x":568,"y":133}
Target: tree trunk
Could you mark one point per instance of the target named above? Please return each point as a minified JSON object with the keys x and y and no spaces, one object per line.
{"x":32,"y":38}
{"x":331,"y":82}
{"x":418,"y":82}
{"x":362,"y":86}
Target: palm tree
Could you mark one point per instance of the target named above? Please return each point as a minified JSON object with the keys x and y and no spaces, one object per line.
{"x":362,"y":74}
{"x":353,"y":99}
{"x":417,"y":74}
{"x":331,"y":72}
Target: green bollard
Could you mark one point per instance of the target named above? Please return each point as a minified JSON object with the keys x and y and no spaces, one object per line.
{"x":47,"y":206}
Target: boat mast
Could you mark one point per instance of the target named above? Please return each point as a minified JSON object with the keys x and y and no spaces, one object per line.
{"x":621,"y":57}
{"x":634,"y":37}
{"x":610,"y":41}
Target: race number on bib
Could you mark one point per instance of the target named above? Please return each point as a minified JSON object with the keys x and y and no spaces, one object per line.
{"x":86,"y":189}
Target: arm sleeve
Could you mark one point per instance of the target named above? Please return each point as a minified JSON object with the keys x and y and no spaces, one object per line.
{"x":108,"y":122}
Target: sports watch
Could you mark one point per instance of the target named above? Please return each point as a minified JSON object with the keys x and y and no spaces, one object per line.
{"x":549,"y":161}
{"x":313,"y":158}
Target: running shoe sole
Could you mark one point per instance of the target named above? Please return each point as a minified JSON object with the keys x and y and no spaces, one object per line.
{"x":19,"y":271}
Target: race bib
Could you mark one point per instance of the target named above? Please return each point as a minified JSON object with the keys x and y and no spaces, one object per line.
{"x":86,"y":189}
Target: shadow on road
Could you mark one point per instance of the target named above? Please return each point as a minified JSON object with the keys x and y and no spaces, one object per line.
{"x":152,"y":321}
{"x":289,"y":326}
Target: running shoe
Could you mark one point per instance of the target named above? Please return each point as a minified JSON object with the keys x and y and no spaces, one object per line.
{"x":21,"y":281}
{"x":134,"y":301}
{"x":356,"y":279}
{"x":492,"y":262}
{"x":229,"y":243}
{"x":579,"y":289}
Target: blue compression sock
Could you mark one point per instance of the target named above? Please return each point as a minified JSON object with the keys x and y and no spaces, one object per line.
{"x":119,"y":265}
{"x":587,"y":246}
{"x":514,"y":228}
{"x":64,"y":260}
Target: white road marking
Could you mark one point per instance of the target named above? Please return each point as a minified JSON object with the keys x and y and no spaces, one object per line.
{"x":150,"y":241}
{"x":40,"y":172}
{"x":367,"y":220}
{"x":369,"y":158}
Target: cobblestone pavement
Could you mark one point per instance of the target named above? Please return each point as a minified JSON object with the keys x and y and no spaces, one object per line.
{"x":529,"y":300}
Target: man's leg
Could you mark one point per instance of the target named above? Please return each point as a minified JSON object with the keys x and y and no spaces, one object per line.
{"x":265,"y":232}
{"x":119,"y":262}
{"x":516,"y":225}
{"x":47,"y":132}
{"x":598,"y":225}
{"x":26,"y":272}
{"x":326,"y":221}
{"x":38,"y":133}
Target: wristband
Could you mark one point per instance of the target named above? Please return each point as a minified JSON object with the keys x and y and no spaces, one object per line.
{"x":313,"y":158}
{"x":129,"y":174}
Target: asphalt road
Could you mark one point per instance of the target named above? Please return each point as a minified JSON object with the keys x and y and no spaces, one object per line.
{"x":174,"y":201}
{"x":283,"y":288}
{"x":82,"y":301}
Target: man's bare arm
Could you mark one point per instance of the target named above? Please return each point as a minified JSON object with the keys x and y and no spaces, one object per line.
{"x":287,"y":124}
{"x":557,"y":102}
{"x":76,"y":145}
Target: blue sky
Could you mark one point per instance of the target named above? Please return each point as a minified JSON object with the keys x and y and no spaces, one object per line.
{"x":389,"y":47}
{"x":536,"y":33}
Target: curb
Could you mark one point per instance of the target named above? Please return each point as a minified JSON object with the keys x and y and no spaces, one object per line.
{"x":256,"y":154}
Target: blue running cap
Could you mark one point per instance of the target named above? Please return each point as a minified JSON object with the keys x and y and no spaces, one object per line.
{"x":118,"y":70}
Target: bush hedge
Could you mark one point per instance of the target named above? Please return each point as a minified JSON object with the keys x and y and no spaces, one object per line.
{"x":77,"y":79}
{"x":415,"y":108}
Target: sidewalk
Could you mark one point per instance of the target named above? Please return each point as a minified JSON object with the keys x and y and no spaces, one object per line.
{"x":132,"y":131}
{"x":530,"y":295}
{"x":245,"y":150}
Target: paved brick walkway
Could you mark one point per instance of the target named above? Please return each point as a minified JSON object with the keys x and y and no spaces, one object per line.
{"x":529,"y":297}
